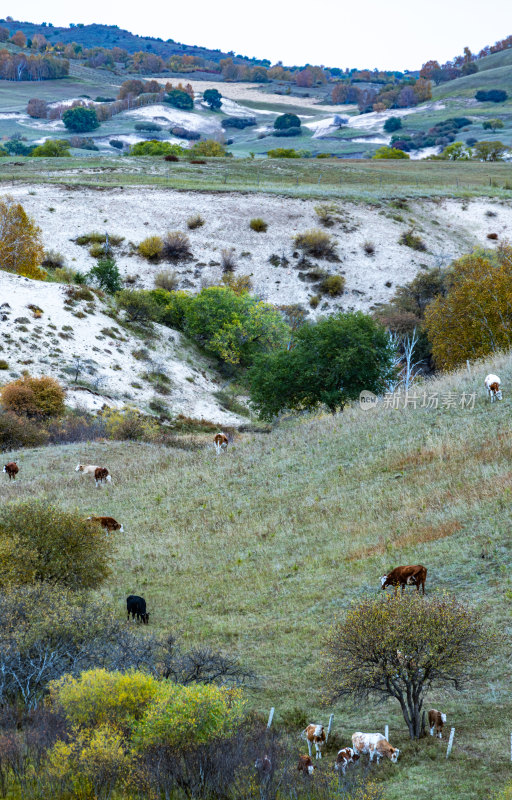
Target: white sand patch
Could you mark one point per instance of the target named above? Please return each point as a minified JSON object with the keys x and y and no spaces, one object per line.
{"x":55,"y":340}
{"x":13,"y":115}
{"x":415,"y":155}
{"x":69,"y":100}
{"x":370,"y":140}
{"x":186,"y":119}
{"x":42,"y":124}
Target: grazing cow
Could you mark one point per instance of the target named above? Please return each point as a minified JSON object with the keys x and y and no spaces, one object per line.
{"x":315,"y":734}
{"x":376,"y":745}
{"x":136,"y":606}
{"x":11,"y":469}
{"x":109,"y":523}
{"x":492,"y":384}
{"x":263,"y":766}
{"x":406,"y":576}
{"x":305,"y":765}
{"x":436,"y":721}
{"x":220,"y":441}
{"x":101,"y":474}
{"x":344,"y":758}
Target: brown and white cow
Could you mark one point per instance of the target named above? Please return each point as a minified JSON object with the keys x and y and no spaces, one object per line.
{"x":11,"y":469}
{"x":436,"y":721}
{"x":493,"y":384}
{"x":315,"y":734}
{"x":406,"y":576}
{"x":109,"y":523}
{"x":376,"y":745}
{"x":344,"y":758}
{"x":221,"y":442}
{"x":305,"y":765}
{"x":101,"y":474}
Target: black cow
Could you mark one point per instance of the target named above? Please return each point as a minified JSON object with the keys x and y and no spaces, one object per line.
{"x":136,"y":606}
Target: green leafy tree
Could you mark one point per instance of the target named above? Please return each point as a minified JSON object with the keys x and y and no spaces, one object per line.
{"x":389,"y":152}
{"x":403,"y":646}
{"x":457,"y":151}
{"x":106,"y":274}
{"x":139,"y":306}
{"x":392,"y":124}
{"x":179,"y":99}
{"x":80,"y":119}
{"x":286,"y":121}
{"x":489,"y":151}
{"x":52,"y":148}
{"x":493,"y":124}
{"x":41,"y":542}
{"x":213,"y":98}
{"x":209,"y":148}
{"x":155,"y":148}
{"x":330,"y":363}
{"x":283,"y":152}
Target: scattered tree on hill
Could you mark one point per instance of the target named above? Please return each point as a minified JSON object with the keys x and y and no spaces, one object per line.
{"x":179,"y":99}
{"x":36,"y":398}
{"x":153,"y":147}
{"x":213,"y":98}
{"x":37,"y":108}
{"x":106,"y":274}
{"x":474,"y":317}
{"x":491,"y":96}
{"x":330,"y":363}
{"x":52,"y":148}
{"x":4,"y":34}
{"x":285,"y":121}
{"x":209,"y":149}
{"x":19,"y":39}
{"x":489,"y":151}
{"x":80,"y":119}
{"x":392,"y":124}
{"x":21,"y":247}
{"x":389,"y":152}
{"x":493,"y":124}
{"x":457,"y":151}
{"x":403,"y":647}
{"x":40,"y":542}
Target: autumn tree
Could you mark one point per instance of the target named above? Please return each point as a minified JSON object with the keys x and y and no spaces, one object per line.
{"x":37,"y":108}
{"x":21,"y":248}
{"x":423,"y":90}
{"x":474,"y":317}
{"x":489,"y":151}
{"x":403,"y":646}
{"x":19,"y":39}
{"x":36,"y":398}
{"x":429,"y":70}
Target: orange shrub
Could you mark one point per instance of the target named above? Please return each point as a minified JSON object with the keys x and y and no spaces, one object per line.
{"x":34,"y":397}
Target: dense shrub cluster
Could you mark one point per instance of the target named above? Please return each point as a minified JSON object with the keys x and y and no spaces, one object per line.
{"x":316,"y":242}
{"x":36,"y":398}
{"x":441,"y":134}
{"x":491,"y":96}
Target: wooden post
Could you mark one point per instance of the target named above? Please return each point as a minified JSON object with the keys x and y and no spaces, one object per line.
{"x":450,"y":743}
{"x":270,"y":717}
{"x":511,"y":746}
{"x":329,"y":727}
{"x":468,"y":365}
{"x":386,"y":732}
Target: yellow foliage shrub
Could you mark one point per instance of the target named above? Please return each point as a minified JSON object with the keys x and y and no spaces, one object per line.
{"x":39,"y":398}
{"x":21,"y":248}
{"x":151,"y":248}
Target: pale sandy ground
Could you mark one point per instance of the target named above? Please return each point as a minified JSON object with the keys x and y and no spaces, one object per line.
{"x":448,"y":227}
{"x":105,"y":350}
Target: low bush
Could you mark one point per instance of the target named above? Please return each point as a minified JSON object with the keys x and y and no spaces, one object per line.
{"x":17,"y":432}
{"x":4,"y":364}
{"x":96,"y":250}
{"x":326,"y":214}
{"x":147,"y":125}
{"x":283,"y":152}
{"x":239,"y":283}
{"x":184,"y":133}
{"x":369,"y":248}
{"x":151,"y":248}
{"x":316,"y":242}
{"x":208,"y":149}
{"x":167,"y":279}
{"x":286,"y":121}
{"x":314,"y":301}
{"x":52,"y":260}
{"x":36,"y":398}
{"x":228,"y":260}
{"x":287,"y":132}
{"x":176,"y":246}
{"x":410,"y":239}
{"x":130,"y":425}
{"x":153,"y":147}
{"x":40,"y":542}
{"x":195,"y":221}
{"x":259,"y":225}
{"x":171,"y":157}
{"x":179,"y":99}
{"x":238,"y":122}
{"x":138,"y":306}
{"x":333,"y":285}
{"x":491,"y":96}
{"x":116,"y":143}
{"x":106,"y":274}
{"x":392,"y":124}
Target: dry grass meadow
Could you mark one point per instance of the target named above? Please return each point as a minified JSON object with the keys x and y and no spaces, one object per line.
{"x":257,"y":550}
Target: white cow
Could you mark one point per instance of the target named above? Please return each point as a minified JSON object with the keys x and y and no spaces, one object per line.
{"x":376,"y":745}
{"x":492,"y":384}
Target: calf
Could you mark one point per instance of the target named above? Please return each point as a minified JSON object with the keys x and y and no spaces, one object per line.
{"x":136,"y":606}
{"x":406,"y":576}
{"x":492,"y":384}
{"x":109,"y":523}
{"x":221,"y":442}
{"x":376,"y":745}
{"x":436,"y":721}
{"x":12,"y":469}
{"x":315,"y":734}
{"x":305,"y":765}
{"x":344,"y":758}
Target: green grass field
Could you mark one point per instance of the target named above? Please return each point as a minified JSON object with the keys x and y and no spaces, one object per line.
{"x":257,"y":550}
{"x":360,"y":180}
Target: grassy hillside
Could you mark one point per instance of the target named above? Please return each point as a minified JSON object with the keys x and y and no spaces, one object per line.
{"x":362,"y":180}
{"x":257,"y":550}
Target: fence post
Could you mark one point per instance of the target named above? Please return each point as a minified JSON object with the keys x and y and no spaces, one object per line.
{"x":386,"y":732}
{"x":450,"y":743}
{"x":511,"y":746}
{"x":468,"y":365}
{"x":329,"y":727}
{"x":270,"y":717}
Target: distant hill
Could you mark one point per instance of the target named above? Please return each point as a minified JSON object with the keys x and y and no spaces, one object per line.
{"x":494,"y":72}
{"x":109,"y":36}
